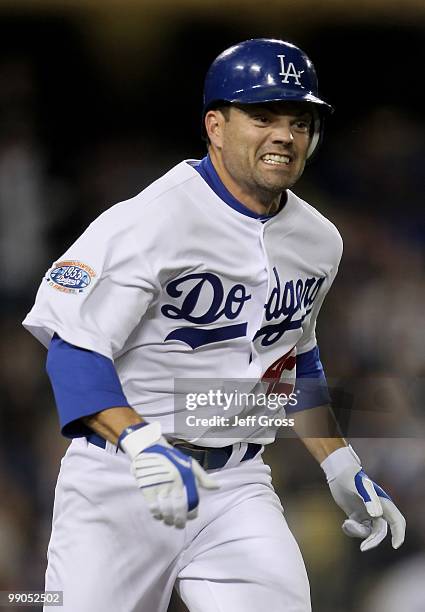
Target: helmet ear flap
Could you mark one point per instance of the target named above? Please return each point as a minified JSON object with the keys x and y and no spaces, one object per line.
{"x":316,"y":133}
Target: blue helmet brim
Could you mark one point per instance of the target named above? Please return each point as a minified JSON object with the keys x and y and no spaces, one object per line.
{"x":257,"y":95}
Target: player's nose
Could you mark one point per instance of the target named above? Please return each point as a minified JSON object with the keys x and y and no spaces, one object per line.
{"x":282,"y":134}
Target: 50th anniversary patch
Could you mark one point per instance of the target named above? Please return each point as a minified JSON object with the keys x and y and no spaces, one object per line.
{"x":70,"y":276}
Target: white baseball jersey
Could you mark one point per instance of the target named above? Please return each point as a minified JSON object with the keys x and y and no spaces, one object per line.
{"x":176,"y":284}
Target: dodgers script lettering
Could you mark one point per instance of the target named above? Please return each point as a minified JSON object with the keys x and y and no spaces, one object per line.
{"x":296,"y":297}
{"x":228,"y":306}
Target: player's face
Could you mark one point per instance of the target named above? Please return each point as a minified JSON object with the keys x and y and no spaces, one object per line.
{"x":263,"y":148}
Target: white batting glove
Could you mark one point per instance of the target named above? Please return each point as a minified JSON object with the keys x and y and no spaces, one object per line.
{"x":369,"y":509}
{"x":168,"y":478}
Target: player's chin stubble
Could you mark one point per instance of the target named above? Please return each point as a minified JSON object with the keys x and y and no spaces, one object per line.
{"x":276,"y":184}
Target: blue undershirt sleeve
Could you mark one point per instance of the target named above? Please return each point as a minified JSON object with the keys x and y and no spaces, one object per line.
{"x":311,"y":387}
{"x":84,"y":383}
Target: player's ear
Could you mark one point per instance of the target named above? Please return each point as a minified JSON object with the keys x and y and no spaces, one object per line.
{"x":214,"y":124}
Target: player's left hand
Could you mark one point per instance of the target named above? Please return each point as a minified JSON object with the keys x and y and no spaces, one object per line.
{"x":369,"y":508}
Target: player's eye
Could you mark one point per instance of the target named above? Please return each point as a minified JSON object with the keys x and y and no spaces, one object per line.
{"x":262,"y":119}
{"x":302,"y":125}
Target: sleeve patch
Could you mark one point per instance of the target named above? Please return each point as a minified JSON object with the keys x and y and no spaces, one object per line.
{"x":70,"y":276}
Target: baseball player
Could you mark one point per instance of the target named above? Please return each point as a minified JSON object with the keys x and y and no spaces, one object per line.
{"x":216,"y":271}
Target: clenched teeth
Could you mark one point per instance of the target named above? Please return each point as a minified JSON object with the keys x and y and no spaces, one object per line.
{"x":276,"y":159}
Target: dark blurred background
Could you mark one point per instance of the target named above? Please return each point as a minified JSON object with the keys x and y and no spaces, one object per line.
{"x":97,"y":99}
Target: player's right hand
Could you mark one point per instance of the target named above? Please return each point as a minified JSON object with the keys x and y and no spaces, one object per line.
{"x":168,"y":478}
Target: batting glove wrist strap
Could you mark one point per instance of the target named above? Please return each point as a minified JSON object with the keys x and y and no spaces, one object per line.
{"x":338,"y":461}
{"x":136,"y":438}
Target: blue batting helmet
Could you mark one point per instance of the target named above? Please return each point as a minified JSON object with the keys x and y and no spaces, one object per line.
{"x":265,"y":70}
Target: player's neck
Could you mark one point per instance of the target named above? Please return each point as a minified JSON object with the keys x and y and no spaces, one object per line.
{"x":261,"y":202}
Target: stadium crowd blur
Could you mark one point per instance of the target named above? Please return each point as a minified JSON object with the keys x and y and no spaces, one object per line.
{"x":66,"y":158}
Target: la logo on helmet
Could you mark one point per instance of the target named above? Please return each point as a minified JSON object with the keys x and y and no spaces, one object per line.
{"x":290,"y":71}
